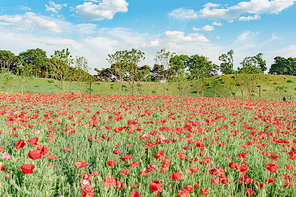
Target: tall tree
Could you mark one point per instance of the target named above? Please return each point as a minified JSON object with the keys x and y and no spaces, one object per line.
{"x":226,"y":67}
{"x":157,"y":72}
{"x":253,"y":65}
{"x":143,"y":72}
{"x":61,"y":61}
{"x":24,"y":72}
{"x":178,"y":66}
{"x":35,"y":57}
{"x":280,"y":66}
{"x":118,"y":65}
{"x":201,"y":67}
{"x":81,"y":70}
{"x":163,"y":58}
{"x":132,"y":59}
{"x":7,"y":58}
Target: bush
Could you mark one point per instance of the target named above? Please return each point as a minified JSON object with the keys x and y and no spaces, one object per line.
{"x":289,"y":81}
{"x":50,"y":81}
{"x":153,"y":91}
{"x":139,"y":85}
{"x":264,"y":90}
{"x":274,"y":83}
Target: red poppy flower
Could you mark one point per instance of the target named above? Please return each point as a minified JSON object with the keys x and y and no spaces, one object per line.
{"x":272,"y":167}
{"x":177,"y":175}
{"x":270,"y":180}
{"x":87,"y":190}
{"x":243,"y":169}
{"x":33,"y":141}
{"x":52,"y":157}
{"x":188,"y":188}
{"x":116,"y":151}
{"x":80,"y":164}
{"x":35,"y":154}
{"x":19,"y":144}
{"x":193,"y":169}
{"x":125,"y":172}
{"x":44,"y":150}
{"x":111,"y":163}
{"x":135,"y":194}
{"x":156,"y":186}
{"x":49,"y":165}
{"x":181,"y":155}
{"x":96,"y":173}
{"x":149,"y":145}
{"x":249,"y":191}
{"x":145,"y":137}
{"x":27,"y":168}
{"x":204,"y":192}
{"x":109,"y":181}
{"x":126,"y":157}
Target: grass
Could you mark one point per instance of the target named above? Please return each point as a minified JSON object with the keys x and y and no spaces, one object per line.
{"x":273,"y":87}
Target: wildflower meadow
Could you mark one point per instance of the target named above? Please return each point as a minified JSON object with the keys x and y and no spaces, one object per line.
{"x":108,"y":146}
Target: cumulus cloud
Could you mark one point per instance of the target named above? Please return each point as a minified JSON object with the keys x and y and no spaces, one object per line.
{"x":53,"y":7}
{"x":217,"y":24}
{"x":183,"y":13}
{"x":252,"y":7}
{"x":249,"y":18}
{"x":204,"y":28}
{"x":25,"y":8}
{"x":32,"y":20}
{"x":105,"y":10}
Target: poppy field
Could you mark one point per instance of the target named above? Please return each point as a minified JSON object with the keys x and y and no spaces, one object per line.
{"x":100,"y":145}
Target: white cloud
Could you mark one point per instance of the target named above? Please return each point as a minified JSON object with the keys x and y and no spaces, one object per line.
{"x":33,"y":20}
{"x":251,"y":7}
{"x":53,"y":7}
{"x":217,"y":24}
{"x":274,"y":37}
{"x":85,"y":28}
{"x":289,"y":51}
{"x":218,"y":37}
{"x":25,"y":8}
{"x":230,"y":21}
{"x":179,"y":36}
{"x":204,"y":28}
{"x":249,"y":18}
{"x":104,"y":10}
{"x":183,"y":13}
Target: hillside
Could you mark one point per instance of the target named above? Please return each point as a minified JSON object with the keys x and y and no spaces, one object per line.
{"x":273,"y":87}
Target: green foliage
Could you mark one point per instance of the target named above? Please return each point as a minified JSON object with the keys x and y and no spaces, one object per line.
{"x":50,"y":81}
{"x":289,"y":81}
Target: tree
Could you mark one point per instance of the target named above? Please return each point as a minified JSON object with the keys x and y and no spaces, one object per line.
{"x":178,"y":66}
{"x":117,"y":65}
{"x":36,"y":58}
{"x":24,"y":72}
{"x":7,"y":58}
{"x":226,"y":67}
{"x":157,"y":72}
{"x":61,"y":61}
{"x":81,"y":70}
{"x":132,"y":59}
{"x":253,"y":65}
{"x":105,"y":74}
{"x":143,"y":72}
{"x":163,"y":58}
{"x":283,"y":66}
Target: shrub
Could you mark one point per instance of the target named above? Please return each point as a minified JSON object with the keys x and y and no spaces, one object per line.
{"x":289,"y":81}
{"x":50,"y":81}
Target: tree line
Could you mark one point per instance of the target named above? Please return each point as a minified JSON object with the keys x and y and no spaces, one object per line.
{"x":124,"y":66}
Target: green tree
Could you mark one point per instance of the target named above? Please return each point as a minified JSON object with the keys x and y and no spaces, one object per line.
{"x":81,"y":70}
{"x":7,"y":58}
{"x":226,"y":67}
{"x":132,"y":59}
{"x":280,"y":66}
{"x":118,"y":65}
{"x":253,"y":65}
{"x":144,"y":71}
{"x":163,"y":58}
{"x":24,"y":72}
{"x":61,"y":61}
{"x":178,"y":66}
{"x":36,"y":58}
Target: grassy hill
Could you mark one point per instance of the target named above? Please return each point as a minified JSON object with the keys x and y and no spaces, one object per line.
{"x":273,"y":87}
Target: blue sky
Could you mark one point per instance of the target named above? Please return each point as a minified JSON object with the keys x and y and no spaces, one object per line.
{"x":96,"y":28}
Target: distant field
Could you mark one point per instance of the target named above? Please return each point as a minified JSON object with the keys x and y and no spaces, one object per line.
{"x":273,"y":87}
